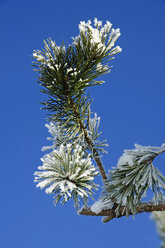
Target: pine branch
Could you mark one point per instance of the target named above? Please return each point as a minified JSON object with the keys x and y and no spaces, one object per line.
{"x":66,"y":174}
{"x":110,"y":214}
{"x":129,"y":182}
{"x":87,"y":139}
{"x":66,"y":72}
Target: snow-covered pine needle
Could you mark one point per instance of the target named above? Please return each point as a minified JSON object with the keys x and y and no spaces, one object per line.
{"x":134,"y":175}
{"x":159,"y":218}
{"x":93,"y":133}
{"x":66,"y":173}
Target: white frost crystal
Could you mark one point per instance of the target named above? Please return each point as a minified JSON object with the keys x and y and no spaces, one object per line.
{"x":100,"y":205}
{"x":48,"y":59}
{"x":135,"y":174}
{"x":67,"y":173}
{"x":103,"y":36}
{"x":38,"y":56}
{"x":159,"y":218}
{"x":97,"y":23}
{"x":57,"y":136}
{"x":140,"y":154}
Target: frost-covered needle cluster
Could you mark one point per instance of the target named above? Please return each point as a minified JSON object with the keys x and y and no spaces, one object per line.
{"x":66,"y":173}
{"x":159,"y":218}
{"x":141,"y":154}
{"x":58,"y":136}
{"x":90,"y":51}
{"x":102,"y":36}
{"x":135,"y":173}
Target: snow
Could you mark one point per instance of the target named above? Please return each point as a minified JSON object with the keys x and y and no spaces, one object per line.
{"x":99,"y":206}
{"x":50,"y":65}
{"x":98,"y":33}
{"x":69,"y":69}
{"x":125,"y":159}
{"x":44,"y":183}
{"x":66,"y":172}
{"x":116,"y":50}
{"x":50,"y":189}
{"x":57,"y":66}
{"x":140,"y":154}
{"x":107,"y":26}
{"x":57,"y":136}
{"x":82,"y":26}
{"x":114,"y":35}
{"x":53,"y":44}
{"x":99,"y":66}
{"x":97,"y":23}
{"x":159,"y":218}
{"x":96,"y":38}
{"x":38,"y":57}
{"x":46,"y":148}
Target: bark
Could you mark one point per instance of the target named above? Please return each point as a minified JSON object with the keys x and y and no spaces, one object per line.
{"x":111,"y":214}
{"x":95,"y":152}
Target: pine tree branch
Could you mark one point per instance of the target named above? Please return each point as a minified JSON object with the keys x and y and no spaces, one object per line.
{"x":110,"y":214}
{"x":95,"y":152}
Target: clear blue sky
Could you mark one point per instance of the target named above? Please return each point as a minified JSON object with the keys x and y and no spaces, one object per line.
{"x":131,"y":106}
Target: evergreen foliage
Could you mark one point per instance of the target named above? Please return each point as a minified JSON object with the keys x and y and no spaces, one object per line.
{"x":134,"y":175}
{"x":159,"y":218}
{"x":65,"y":72}
{"x":67,"y":174}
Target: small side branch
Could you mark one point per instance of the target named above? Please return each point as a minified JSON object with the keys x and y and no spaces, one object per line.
{"x":111,"y":214}
{"x":95,"y":152}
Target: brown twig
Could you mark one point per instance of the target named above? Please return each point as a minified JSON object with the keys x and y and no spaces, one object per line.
{"x":95,"y":152}
{"x":111,"y":214}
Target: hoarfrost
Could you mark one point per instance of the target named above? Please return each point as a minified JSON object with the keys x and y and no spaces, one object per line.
{"x":125,"y":159}
{"x":99,"y":35}
{"x":140,"y":154}
{"x":99,"y":206}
